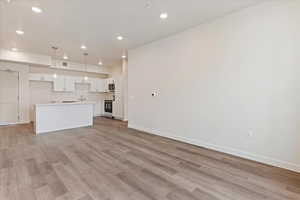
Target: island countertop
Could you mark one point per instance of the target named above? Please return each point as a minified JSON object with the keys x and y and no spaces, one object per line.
{"x":51,"y":117}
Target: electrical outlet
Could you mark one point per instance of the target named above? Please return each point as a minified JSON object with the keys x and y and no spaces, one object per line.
{"x":154,"y":93}
{"x":250,"y":133}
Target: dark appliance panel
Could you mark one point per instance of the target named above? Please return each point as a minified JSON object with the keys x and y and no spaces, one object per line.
{"x":108,"y":106}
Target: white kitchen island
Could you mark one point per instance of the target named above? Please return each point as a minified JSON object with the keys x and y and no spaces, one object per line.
{"x":60,"y":116}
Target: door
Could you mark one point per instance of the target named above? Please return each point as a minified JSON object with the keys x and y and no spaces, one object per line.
{"x":9,"y":97}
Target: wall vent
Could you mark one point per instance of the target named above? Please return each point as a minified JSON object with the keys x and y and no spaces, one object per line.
{"x":65,"y":64}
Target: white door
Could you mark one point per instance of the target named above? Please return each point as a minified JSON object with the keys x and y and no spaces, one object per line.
{"x":9,"y":95}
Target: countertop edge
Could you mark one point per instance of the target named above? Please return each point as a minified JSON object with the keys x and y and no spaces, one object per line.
{"x":65,"y":104}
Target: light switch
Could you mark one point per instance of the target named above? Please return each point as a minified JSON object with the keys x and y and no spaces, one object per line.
{"x":154,"y":93}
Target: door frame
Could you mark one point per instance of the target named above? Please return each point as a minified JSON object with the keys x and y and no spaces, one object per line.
{"x":4,"y":69}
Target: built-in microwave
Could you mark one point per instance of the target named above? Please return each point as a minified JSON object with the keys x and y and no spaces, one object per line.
{"x":111,"y":87}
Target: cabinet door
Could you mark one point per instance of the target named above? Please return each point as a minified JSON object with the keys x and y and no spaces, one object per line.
{"x":100,"y":85}
{"x":106,"y":83}
{"x":36,"y":77}
{"x":69,"y":84}
{"x":110,"y":81}
{"x":40,"y":77}
{"x":59,"y":84}
{"x":48,"y":77}
{"x":98,"y":108}
{"x":93,"y":85}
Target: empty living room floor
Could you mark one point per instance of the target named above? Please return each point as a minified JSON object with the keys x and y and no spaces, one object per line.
{"x":111,"y":162}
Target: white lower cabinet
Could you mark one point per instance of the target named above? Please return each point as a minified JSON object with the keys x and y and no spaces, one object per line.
{"x":98,"y":108}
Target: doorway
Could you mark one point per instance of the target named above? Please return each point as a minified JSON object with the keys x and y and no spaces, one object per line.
{"x":9,"y":97}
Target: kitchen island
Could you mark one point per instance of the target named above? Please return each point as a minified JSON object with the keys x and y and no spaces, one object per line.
{"x":60,"y":116}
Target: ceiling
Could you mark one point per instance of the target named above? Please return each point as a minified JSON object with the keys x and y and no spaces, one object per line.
{"x":69,"y":24}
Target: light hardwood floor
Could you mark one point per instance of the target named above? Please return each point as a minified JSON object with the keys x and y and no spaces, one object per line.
{"x":110,"y":162}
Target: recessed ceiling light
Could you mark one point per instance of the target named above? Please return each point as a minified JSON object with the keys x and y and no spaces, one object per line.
{"x":19,"y":32}
{"x":124,"y":56}
{"x":8,"y":1}
{"x":36,"y":9}
{"x":120,"y":37}
{"x":66,"y":57}
{"x":164,"y":15}
{"x":100,"y":63}
{"x":14,"y":49}
{"x":83,"y":47}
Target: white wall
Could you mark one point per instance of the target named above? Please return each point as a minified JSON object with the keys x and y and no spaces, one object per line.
{"x":46,"y":61}
{"x":23,"y":57}
{"x":125,"y":88}
{"x":223,"y":81}
{"x":23,"y":88}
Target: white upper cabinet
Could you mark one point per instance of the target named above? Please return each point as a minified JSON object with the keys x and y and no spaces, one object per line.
{"x":59,"y":84}
{"x":93,"y":85}
{"x":67,"y":83}
{"x":40,"y":77}
{"x":101,"y":85}
{"x":97,"y":85}
{"x":64,"y":84}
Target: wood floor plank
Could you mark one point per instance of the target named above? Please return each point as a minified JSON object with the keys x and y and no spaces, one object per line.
{"x":111,"y":162}
{"x":44,"y":193}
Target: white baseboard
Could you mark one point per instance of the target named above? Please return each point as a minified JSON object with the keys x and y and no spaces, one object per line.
{"x":228,"y":150}
{"x":17,"y":123}
{"x":118,"y":118}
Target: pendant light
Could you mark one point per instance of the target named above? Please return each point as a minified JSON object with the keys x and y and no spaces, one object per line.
{"x":55,"y":60}
{"x":85,"y":65}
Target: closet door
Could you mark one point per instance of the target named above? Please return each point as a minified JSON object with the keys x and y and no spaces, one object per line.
{"x":9,"y":97}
